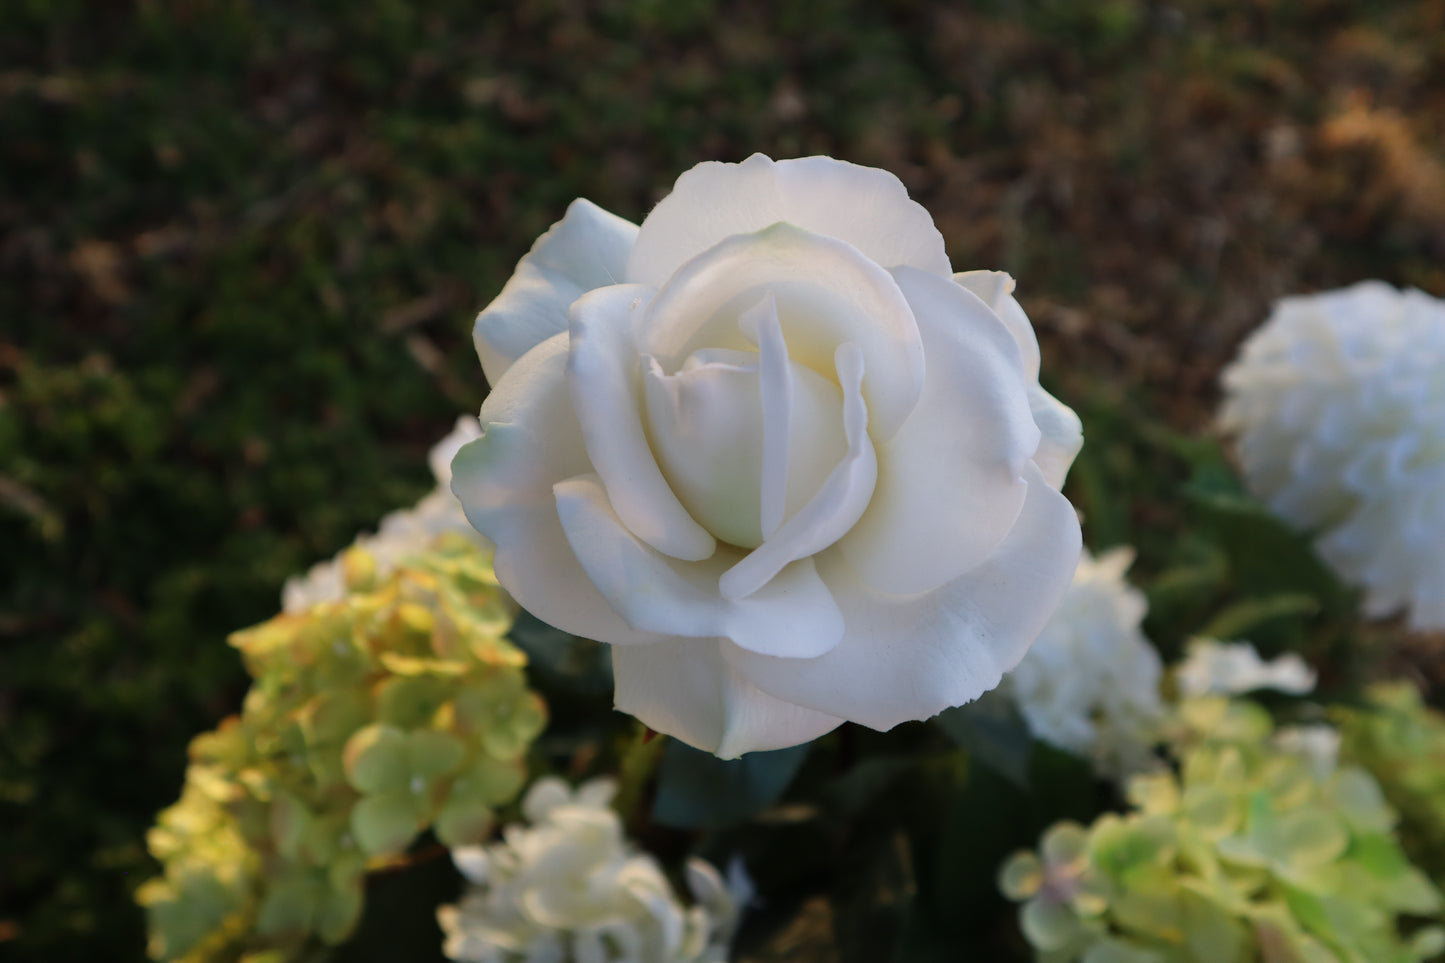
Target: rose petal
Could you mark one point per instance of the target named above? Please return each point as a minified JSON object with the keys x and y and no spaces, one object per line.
{"x":714,"y":201}
{"x":587,"y":249}
{"x":686,"y":689}
{"x":826,"y":294}
{"x":833,"y":511}
{"x":604,"y":371}
{"x":1063,"y":434}
{"x":793,"y":617}
{"x":775,"y":391}
{"x":996,"y":289}
{"x":504,"y":481}
{"x":949,"y":483}
{"x":910,"y":658}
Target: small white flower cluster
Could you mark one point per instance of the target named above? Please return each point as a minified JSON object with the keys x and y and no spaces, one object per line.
{"x":402,"y":533}
{"x":570,"y":888}
{"x":1338,"y":402}
{"x":1090,"y":684}
{"x":1234,"y":668}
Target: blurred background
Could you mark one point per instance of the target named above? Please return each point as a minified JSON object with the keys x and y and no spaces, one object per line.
{"x":241,"y":245}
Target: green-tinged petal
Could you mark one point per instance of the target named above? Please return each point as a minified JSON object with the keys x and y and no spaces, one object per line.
{"x":384,"y":824}
{"x":1049,"y":925}
{"x":1021,"y":876}
{"x":432,"y":754}
{"x":412,"y":701}
{"x":376,"y":759}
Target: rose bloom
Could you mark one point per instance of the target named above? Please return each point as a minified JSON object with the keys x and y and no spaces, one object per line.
{"x":772,"y":449}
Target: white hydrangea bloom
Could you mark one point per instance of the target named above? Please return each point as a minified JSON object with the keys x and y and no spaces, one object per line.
{"x":1090,"y":684}
{"x":1338,"y":402}
{"x":401,"y":534}
{"x":1233,"y":668}
{"x":1319,"y":743}
{"x":570,"y":888}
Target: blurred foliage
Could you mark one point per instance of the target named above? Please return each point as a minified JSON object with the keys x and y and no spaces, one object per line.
{"x":1249,"y":852}
{"x":240,"y":243}
{"x":1399,"y":739}
{"x":371,"y":718}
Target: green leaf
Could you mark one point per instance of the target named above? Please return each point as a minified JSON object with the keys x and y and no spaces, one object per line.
{"x":1240,"y":620}
{"x":994,"y":733}
{"x":698,"y":790}
{"x":1266,"y":556}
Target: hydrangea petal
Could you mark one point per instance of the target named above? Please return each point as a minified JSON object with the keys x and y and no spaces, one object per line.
{"x":878,"y":218}
{"x":950,"y":481}
{"x":587,"y":249}
{"x":906,"y":658}
{"x":687,"y":690}
{"x":793,"y":617}
{"x":603,"y":369}
{"x":504,"y":481}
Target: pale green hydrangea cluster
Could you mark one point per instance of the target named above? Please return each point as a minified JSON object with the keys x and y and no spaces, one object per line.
{"x":1251,"y":853}
{"x":397,"y":707}
{"x":1402,"y":742}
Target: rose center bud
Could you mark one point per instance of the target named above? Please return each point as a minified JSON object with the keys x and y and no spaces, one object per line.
{"x":744,"y":440}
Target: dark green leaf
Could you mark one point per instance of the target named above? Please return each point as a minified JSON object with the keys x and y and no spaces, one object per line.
{"x":696,"y":789}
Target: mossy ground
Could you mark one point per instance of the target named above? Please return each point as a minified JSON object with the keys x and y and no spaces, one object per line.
{"x":241,"y":244}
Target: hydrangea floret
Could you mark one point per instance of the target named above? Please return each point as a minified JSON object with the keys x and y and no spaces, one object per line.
{"x":1339,"y":410}
{"x":400,"y":706}
{"x":1235,"y":668}
{"x":1090,"y":684}
{"x":571,"y":887}
{"x":1248,"y":852}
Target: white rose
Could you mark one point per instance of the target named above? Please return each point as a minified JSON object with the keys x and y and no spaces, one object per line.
{"x":771,"y":448}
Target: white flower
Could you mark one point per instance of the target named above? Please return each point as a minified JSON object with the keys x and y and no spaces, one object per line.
{"x":1339,"y":405}
{"x":772,"y":449}
{"x":1233,"y":668}
{"x":402,"y":534}
{"x":570,"y":888}
{"x":1090,"y":684}
{"x":1318,"y":743}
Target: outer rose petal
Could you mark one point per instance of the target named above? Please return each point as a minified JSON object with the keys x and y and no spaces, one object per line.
{"x":1063,"y":435}
{"x":949,"y":482}
{"x":868,"y":208}
{"x":793,"y":616}
{"x":587,"y":249}
{"x":906,"y":658}
{"x":996,"y":289}
{"x":504,"y":481}
{"x":686,"y":689}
